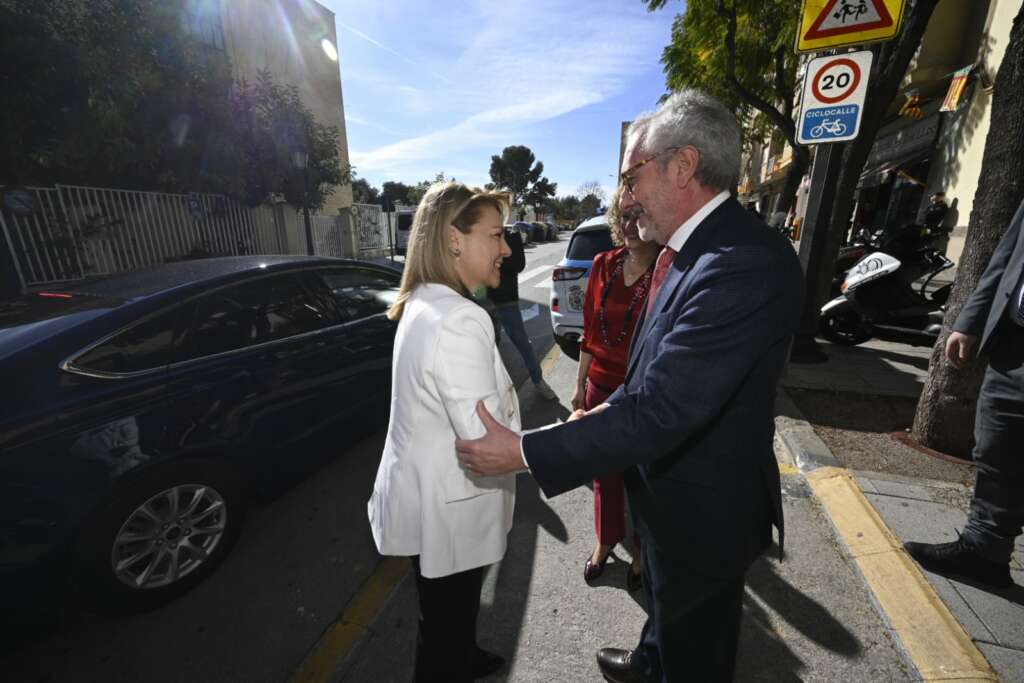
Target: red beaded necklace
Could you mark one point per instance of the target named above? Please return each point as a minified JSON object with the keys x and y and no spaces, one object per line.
{"x":640,"y":288}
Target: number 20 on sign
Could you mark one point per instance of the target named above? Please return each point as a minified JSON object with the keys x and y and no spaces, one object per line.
{"x":833,"y":98}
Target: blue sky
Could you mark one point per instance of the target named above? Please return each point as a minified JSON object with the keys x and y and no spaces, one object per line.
{"x":429,"y":90}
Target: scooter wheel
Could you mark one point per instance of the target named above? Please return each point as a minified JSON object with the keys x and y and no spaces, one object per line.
{"x":846,"y":327}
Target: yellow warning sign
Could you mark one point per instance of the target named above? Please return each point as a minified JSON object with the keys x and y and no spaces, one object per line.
{"x":827,"y":24}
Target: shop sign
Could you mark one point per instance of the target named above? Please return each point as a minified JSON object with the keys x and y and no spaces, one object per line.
{"x":833,"y":98}
{"x":904,"y":143}
{"x":827,"y":24}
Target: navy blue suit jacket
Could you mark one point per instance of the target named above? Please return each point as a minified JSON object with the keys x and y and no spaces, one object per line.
{"x":692,"y":427}
{"x":986,"y":306}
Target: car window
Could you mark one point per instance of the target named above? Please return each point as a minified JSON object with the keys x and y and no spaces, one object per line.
{"x":361,"y":292}
{"x":255,"y":312}
{"x":152,"y":343}
{"x":586,"y":245}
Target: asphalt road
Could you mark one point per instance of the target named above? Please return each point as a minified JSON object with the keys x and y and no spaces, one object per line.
{"x":297,"y":564}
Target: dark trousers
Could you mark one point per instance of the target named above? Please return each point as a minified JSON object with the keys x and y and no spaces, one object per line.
{"x":693,"y":624}
{"x":446,"y":641}
{"x":997,"y":507}
{"x":512,"y":320}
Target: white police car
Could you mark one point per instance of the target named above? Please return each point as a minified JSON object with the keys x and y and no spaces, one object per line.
{"x":569,"y":282}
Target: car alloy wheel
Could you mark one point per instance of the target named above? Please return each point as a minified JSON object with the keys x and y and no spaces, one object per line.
{"x":169,"y":536}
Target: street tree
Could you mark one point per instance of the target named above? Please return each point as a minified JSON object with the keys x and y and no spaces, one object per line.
{"x":112,"y":93}
{"x":591,"y":187}
{"x":395,"y":192}
{"x":119,"y":93}
{"x":518,"y":172}
{"x":741,"y":52}
{"x":945,"y":412}
{"x":416,"y":192}
{"x":567,"y":208}
{"x":274,"y":125}
{"x":589,"y":206}
{"x":363,"y":192}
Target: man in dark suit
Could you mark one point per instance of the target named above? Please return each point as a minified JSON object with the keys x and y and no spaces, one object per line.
{"x":993,"y":315}
{"x":692,"y":426}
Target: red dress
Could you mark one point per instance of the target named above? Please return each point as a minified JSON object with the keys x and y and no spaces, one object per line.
{"x":610,"y":312}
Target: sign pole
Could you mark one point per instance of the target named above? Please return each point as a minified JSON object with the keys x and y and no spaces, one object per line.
{"x":828,"y":163}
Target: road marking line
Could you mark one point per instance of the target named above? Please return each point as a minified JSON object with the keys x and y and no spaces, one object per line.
{"x":550,"y":358}
{"x":934,"y":640}
{"x":341,"y":637}
{"x":546,"y":282}
{"x":523,"y":277}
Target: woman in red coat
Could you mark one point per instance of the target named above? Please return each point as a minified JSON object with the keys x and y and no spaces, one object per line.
{"x":616,"y":293}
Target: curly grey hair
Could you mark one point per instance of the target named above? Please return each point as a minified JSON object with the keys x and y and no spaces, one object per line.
{"x":691,"y":118}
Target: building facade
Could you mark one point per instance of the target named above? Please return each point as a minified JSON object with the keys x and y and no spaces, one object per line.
{"x":296,"y":41}
{"x":920,"y":149}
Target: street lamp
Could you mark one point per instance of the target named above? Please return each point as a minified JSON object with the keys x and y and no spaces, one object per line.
{"x":300,"y":159}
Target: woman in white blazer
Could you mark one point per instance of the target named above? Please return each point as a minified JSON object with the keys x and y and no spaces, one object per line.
{"x":424,"y":504}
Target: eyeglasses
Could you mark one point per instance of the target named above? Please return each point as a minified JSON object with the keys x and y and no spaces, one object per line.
{"x":626,"y":177}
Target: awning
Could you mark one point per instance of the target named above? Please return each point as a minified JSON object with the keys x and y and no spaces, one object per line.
{"x":900,"y":148}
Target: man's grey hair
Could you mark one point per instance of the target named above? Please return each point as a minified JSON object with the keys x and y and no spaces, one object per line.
{"x":692,"y":118}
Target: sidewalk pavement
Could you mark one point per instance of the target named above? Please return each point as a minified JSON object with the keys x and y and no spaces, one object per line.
{"x":909,"y":510}
{"x":809,"y":617}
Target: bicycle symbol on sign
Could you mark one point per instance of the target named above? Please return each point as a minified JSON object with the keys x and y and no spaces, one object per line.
{"x":834,"y":127}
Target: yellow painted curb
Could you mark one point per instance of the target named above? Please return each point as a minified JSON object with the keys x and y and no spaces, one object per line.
{"x":932,"y":637}
{"x":786,"y":468}
{"x":341,"y":636}
{"x":550,"y":358}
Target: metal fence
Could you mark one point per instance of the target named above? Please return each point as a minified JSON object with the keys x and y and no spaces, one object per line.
{"x":76,"y":232}
{"x":370,"y":226}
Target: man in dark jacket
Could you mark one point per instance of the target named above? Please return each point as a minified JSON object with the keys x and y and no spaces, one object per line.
{"x":936,"y":212}
{"x":993,"y":316}
{"x":505,"y":298}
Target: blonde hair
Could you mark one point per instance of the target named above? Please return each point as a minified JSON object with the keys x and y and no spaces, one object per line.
{"x":428,"y":256}
{"x":615,"y":218}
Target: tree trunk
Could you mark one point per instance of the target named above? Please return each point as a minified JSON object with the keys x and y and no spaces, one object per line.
{"x":945,"y":413}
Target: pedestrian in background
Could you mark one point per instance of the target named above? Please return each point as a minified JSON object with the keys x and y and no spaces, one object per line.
{"x":616,"y":293}
{"x":505,"y":298}
{"x":992,"y":322}
{"x":424,"y":504}
{"x":936,"y":212}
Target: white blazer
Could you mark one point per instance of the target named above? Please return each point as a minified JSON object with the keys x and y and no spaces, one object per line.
{"x":424,"y":503}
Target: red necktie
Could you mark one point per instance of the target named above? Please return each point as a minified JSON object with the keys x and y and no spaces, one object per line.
{"x":665,"y":259}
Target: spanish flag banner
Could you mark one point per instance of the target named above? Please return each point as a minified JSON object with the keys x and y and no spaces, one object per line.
{"x":956,"y":88}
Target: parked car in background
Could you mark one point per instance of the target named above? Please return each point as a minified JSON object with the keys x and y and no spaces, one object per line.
{"x":525,"y":231}
{"x":569,"y":282}
{"x":142,"y":412}
{"x":552,"y":230}
{"x":539,"y":231}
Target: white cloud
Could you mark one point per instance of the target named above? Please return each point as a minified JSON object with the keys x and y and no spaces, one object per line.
{"x":512,"y":65}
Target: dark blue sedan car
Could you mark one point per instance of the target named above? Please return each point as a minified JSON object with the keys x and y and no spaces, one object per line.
{"x":139,"y":413}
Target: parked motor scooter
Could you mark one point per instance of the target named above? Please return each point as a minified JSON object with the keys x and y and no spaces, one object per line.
{"x":879,"y":299}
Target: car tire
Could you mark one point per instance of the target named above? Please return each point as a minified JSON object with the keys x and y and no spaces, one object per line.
{"x":138,"y":522}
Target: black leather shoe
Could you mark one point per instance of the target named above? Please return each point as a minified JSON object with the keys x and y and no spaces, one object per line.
{"x":486,"y":663}
{"x":617,"y":666}
{"x":960,"y":560}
